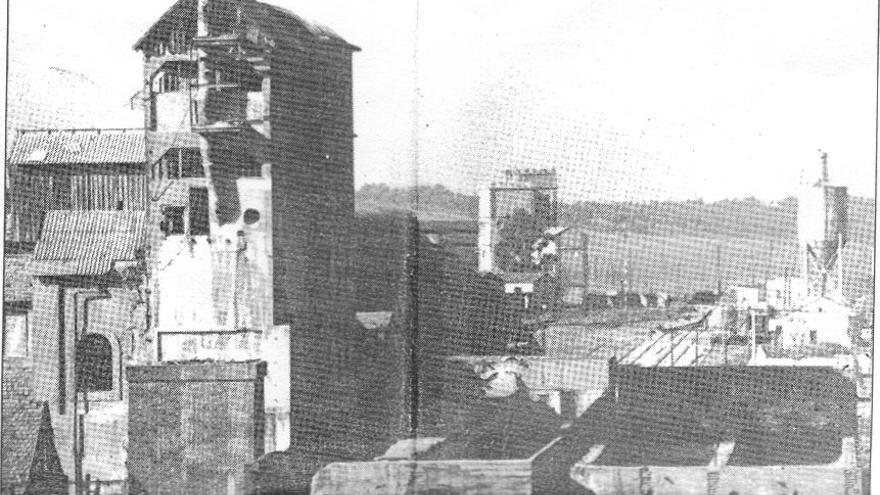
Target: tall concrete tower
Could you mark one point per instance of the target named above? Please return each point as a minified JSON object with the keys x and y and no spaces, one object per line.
{"x":250,"y":142}
{"x":528,"y":189}
{"x":822,"y":226}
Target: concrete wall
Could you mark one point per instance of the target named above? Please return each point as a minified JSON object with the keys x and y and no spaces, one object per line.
{"x":193,"y":427}
{"x":477,"y":476}
{"x":271,"y":345}
{"x":313,"y":208}
{"x":663,"y":480}
{"x":423,"y":477}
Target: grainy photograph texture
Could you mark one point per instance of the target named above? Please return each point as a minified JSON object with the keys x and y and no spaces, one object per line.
{"x":438,"y":247}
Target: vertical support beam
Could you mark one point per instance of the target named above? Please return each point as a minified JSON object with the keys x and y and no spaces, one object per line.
{"x":62,"y":351}
{"x":413,"y":349}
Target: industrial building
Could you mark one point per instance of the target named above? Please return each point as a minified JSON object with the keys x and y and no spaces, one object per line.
{"x":77,"y":312}
{"x":533,"y":191}
{"x":213,"y":233}
{"x":249,"y":133}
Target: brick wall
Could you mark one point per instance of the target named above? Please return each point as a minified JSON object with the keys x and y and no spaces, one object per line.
{"x":194,"y":426}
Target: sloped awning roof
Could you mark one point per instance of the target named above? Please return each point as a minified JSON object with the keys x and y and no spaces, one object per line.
{"x":88,"y":146}
{"x":88,"y":243}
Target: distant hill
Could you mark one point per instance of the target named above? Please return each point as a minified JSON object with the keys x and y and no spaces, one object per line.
{"x":727,"y":217}
{"x":436,"y":202}
{"x":669,"y":245}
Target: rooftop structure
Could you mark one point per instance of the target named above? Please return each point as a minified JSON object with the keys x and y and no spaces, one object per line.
{"x":822,"y":234}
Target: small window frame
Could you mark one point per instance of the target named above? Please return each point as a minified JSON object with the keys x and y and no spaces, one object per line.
{"x":7,"y":313}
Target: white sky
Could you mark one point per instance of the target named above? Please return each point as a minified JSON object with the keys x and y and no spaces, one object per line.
{"x":628,"y":100}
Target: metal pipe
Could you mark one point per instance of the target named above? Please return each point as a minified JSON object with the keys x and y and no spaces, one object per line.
{"x":79,"y":419}
{"x":62,"y":351}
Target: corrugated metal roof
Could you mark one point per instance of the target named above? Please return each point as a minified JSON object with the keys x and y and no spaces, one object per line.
{"x":17,"y":282}
{"x":87,"y":242}
{"x":65,"y":146}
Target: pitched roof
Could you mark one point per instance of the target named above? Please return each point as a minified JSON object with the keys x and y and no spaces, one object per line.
{"x":82,"y":146}
{"x":17,"y":282}
{"x":279,"y":23}
{"x":26,"y":432}
{"x":87,"y":242}
{"x":321,"y":32}
{"x":774,"y":414}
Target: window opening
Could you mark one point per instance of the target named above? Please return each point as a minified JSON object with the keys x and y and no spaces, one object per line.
{"x":199,"y":223}
{"x":94,"y":363}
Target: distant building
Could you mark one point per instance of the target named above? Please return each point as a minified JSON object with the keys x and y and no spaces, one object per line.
{"x":532,"y":190}
{"x":533,"y":291}
{"x":786,"y":293}
{"x":821,"y":321}
{"x":822,"y":219}
{"x":744,"y":297}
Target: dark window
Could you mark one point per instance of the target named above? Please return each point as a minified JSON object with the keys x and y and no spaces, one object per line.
{"x":179,"y":163}
{"x":171,"y":164}
{"x":152,"y":113}
{"x":814,"y":336}
{"x":191,"y":163}
{"x":251,"y":216}
{"x":94,"y":363}
{"x":174,"y":77}
{"x":173,"y":221}
{"x":198,"y":211}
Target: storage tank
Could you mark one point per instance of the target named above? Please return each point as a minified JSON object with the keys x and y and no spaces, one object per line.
{"x":822,"y":220}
